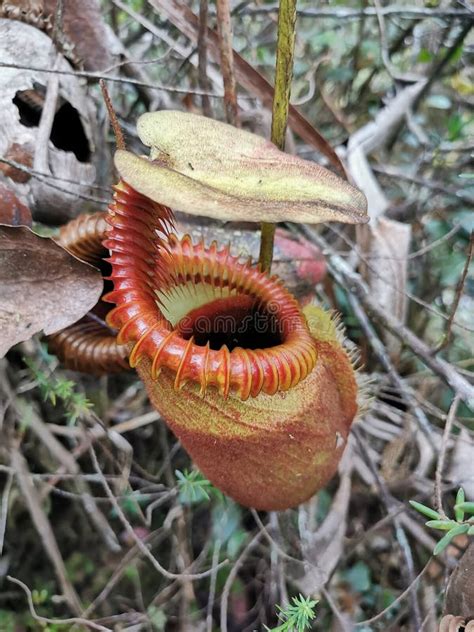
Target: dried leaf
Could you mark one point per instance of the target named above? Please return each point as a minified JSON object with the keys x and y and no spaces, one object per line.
{"x":84,"y":29}
{"x":13,"y":211}
{"x":205,"y":167}
{"x":389,"y":245}
{"x":460,"y":592}
{"x":42,"y":286}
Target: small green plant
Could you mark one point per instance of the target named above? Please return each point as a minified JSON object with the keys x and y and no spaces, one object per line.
{"x":454,"y":527}
{"x":297,"y":616}
{"x":56,"y":389}
{"x":193,"y":487}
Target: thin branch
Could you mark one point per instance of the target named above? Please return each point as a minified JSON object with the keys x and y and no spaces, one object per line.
{"x":457,"y":297}
{"x":381,"y":353}
{"x":118,"y":133}
{"x":4,"y":509}
{"x":352,"y":281}
{"x":97,"y":75}
{"x":131,"y":532}
{"x":231,"y":578}
{"x":397,"y":601}
{"x":43,"y":620}
{"x":224,"y":30}
{"x":202,"y":57}
{"x":348,"y":13}
{"x":43,"y":527}
{"x":442,"y":455}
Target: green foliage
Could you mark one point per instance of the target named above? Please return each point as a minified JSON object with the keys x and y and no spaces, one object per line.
{"x":358,"y":576}
{"x":455,"y":527}
{"x":157,"y":618}
{"x":297,"y":616}
{"x":57,"y":389}
{"x":227,"y":526}
{"x":194,"y":488}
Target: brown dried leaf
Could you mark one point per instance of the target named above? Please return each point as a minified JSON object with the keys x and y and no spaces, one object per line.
{"x":84,"y":28}
{"x":388,"y":247}
{"x":42,"y":286}
{"x":460,"y":593}
{"x":205,"y":167}
{"x":13,"y":211}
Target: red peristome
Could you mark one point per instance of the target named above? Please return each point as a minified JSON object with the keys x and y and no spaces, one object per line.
{"x":88,"y":345}
{"x":159,"y":261}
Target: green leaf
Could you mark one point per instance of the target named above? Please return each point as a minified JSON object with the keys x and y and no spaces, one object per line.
{"x":358,"y":577}
{"x":443,"y":543}
{"x":426,"y":511}
{"x":424,"y":56}
{"x":468,"y":507}
{"x":439,"y":101}
{"x":470,"y":531}
{"x":193,"y":487}
{"x":459,"y":511}
{"x":443,"y":525}
{"x":297,"y":616}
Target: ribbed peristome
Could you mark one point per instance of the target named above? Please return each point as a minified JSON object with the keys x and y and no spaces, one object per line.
{"x":162,"y":282}
{"x":89,"y":345}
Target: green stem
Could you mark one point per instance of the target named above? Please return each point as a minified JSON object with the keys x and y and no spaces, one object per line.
{"x":281,"y":105}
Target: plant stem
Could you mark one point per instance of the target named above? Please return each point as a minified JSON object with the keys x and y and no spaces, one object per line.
{"x":281,"y":105}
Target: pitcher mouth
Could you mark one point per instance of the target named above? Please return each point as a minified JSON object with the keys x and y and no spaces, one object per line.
{"x":209,"y":317}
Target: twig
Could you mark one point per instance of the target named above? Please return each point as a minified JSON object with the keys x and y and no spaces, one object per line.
{"x":442,"y":455}
{"x":97,"y":75}
{"x":381,"y":353}
{"x":400,"y":534}
{"x":224,"y":30}
{"x":422,"y":182}
{"x":439,"y":66}
{"x":118,"y":133}
{"x":352,"y":281}
{"x":131,"y":532}
{"x":231,"y":577}
{"x":348,"y":13}
{"x":398,"y":600}
{"x":457,"y":297}
{"x":344,"y":626}
{"x":43,"y":177}
{"x":52,"y":176}
{"x":43,"y":528}
{"x":202,"y":57}
{"x":43,"y":620}
{"x":212,"y":586}
{"x":48,"y":112}
{"x":4,"y":509}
